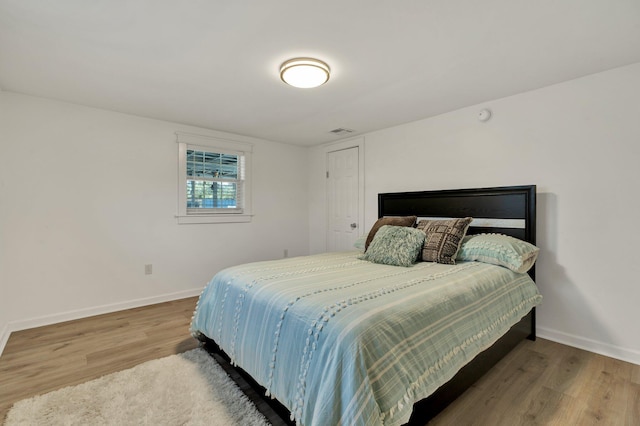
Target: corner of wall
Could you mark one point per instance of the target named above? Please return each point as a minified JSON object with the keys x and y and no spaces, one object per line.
{"x":4,"y":337}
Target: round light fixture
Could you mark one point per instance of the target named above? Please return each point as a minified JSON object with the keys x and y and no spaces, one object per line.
{"x":304,"y":72}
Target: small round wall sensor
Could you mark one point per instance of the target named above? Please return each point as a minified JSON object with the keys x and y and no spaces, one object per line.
{"x":484,"y":115}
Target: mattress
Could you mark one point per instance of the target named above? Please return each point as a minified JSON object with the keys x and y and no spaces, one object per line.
{"x":339,"y":340}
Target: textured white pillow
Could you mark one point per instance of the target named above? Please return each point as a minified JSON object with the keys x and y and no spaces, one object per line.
{"x":499,"y":249}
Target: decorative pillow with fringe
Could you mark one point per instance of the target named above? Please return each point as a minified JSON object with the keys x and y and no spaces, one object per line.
{"x":499,"y":249}
{"x":443,"y":239}
{"x":395,"y":245}
{"x":389,"y":220}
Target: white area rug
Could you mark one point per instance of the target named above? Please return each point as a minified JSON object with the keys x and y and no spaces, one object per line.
{"x":186,"y":389}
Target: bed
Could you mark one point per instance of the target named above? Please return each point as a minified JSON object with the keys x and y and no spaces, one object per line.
{"x":341,"y":340}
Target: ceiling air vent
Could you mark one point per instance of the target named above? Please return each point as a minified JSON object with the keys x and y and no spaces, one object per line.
{"x":341,"y":131}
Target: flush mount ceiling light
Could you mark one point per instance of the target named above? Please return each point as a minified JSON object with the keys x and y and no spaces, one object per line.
{"x":304,"y":72}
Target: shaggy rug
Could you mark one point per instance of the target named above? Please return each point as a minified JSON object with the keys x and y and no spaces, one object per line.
{"x":186,"y":389}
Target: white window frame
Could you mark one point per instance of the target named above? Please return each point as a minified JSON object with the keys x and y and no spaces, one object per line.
{"x":188,"y":141}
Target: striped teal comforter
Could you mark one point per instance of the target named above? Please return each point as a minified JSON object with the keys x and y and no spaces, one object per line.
{"x":339,"y":340}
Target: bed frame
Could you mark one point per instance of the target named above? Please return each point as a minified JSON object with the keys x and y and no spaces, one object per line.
{"x":507,"y":210}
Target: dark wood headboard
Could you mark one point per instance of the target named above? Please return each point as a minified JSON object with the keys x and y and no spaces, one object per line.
{"x":509,"y":210}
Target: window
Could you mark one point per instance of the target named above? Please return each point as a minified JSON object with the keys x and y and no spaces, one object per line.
{"x":214,"y":183}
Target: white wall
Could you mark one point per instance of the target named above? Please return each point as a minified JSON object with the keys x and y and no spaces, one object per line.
{"x":579,"y":142}
{"x":88,"y":197}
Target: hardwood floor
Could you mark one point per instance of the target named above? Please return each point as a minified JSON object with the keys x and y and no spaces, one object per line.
{"x":43,"y":359}
{"x":546,"y":383}
{"x":538,"y":383}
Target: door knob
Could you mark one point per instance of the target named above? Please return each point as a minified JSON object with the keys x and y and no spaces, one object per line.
{"x":354,"y":226}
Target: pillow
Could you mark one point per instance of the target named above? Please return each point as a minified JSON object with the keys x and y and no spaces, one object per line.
{"x":395,"y":245}
{"x":389,"y":220}
{"x":443,"y":239}
{"x":359,"y":244}
{"x":501,"y":250}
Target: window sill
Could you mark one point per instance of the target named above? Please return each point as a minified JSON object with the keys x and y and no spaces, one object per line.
{"x":210,"y":218}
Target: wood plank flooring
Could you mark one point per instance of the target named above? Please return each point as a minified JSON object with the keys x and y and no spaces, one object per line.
{"x":538,"y":383}
{"x":43,"y":359}
{"x":546,"y":383}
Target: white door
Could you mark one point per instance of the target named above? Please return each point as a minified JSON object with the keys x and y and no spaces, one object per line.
{"x":342,"y":198}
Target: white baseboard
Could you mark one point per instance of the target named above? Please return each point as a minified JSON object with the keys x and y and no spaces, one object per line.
{"x":611,"y":351}
{"x":89,"y":312}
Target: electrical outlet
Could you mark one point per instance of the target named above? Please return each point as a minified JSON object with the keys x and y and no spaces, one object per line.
{"x":148,"y":269}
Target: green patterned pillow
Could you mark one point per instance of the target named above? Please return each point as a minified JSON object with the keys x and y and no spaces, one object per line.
{"x":395,"y":245}
{"x":359,"y":244}
{"x":389,"y":220}
{"x":499,"y":249}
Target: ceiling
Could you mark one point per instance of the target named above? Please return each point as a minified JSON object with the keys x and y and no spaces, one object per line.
{"x":214,"y":63}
